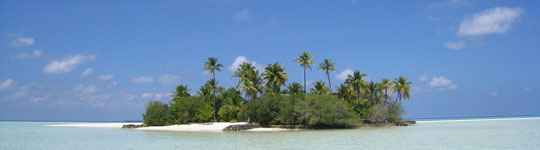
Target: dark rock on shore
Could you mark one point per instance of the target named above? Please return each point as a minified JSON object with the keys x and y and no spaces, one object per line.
{"x":405,"y":123}
{"x":133,"y":126}
{"x":241,"y":127}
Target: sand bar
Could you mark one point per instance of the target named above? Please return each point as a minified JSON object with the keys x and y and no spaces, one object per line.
{"x":268,"y":129}
{"x":477,"y":120}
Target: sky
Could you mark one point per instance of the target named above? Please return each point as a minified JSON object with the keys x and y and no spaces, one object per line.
{"x":103,"y":60}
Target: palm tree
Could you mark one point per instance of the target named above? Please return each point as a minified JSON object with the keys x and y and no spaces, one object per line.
{"x":294,"y":88}
{"x":242,"y":72}
{"x":252,"y":85}
{"x":345,"y":92}
{"x":356,"y":80}
{"x":373,"y":93}
{"x":211,"y":65}
{"x":402,"y":87}
{"x":205,"y":91}
{"x":304,"y":60}
{"x":319,"y":88}
{"x":327,"y":66}
{"x":386,"y":85}
{"x":275,"y":76}
{"x":181,"y":91}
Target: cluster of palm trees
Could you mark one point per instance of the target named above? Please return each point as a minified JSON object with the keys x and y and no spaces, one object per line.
{"x":354,"y":90}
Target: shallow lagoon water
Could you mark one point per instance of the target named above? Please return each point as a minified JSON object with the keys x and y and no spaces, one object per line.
{"x":494,"y":134}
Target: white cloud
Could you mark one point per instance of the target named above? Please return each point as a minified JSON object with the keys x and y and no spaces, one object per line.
{"x":493,"y":93}
{"x":21,"y":41}
{"x":168,"y":79}
{"x":490,"y":21}
{"x":442,"y":82}
{"x":87,"y":72}
{"x":241,"y":59}
{"x":36,"y":53}
{"x":501,"y":82}
{"x":6,"y":84}
{"x":423,"y":78}
{"x":243,"y":15}
{"x":67,"y":64}
{"x":439,"y":81}
{"x":455,"y":45}
{"x":106,"y":77}
{"x":142,"y":79}
{"x":85,"y":89}
{"x":449,"y":3}
{"x":344,"y":74}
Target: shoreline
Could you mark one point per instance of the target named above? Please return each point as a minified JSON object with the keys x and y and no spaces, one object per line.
{"x":220,"y":126}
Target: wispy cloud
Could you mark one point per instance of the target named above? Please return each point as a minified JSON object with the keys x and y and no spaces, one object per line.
{"x":493,"y":94}
{"x":243,"y":15}
{"x":527,"y":89}
{"x":496,"y":20}
{"x":6,"y":84}
{"x":106,"y":77}
{"x":21,"y":41}
{"x":154,"y":96}
{"x":67,"y":64}
{"x":168,"y":79}
{"x":87,"y":72}
{"x":455,"y":45}
{"x":87,"y":89}
{"x":449,"y":3}
{"x":423,"y":78}
{"x":36,"y":53}
{"x":142,"y":79}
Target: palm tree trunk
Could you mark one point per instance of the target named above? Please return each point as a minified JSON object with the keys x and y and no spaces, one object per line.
{"x":329,"y":84}
{"x":305,"y":93}
{"x":214,"y":93}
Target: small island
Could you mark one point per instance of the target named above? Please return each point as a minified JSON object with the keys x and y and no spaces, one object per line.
{"x":264,"y":99}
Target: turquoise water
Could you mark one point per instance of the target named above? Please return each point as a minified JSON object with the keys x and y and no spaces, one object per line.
{"x":504,"y":134}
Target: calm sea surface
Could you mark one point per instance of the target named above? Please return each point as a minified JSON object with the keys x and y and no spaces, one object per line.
{"x":500,"y":134}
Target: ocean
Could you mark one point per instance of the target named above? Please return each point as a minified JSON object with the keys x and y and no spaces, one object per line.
{"x":449,"y":133}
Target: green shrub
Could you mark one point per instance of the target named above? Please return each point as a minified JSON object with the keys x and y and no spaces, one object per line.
{"x":325,"y":111}
{"x":263,"y":111}
{"x":190,"y":109}
{"x":378,"y":115}
{"x":156,"y":113}
{"x":227,"y":113}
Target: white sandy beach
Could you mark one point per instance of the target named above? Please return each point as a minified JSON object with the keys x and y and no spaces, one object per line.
{"x":476,"y":120}
{"x":194,"y":127}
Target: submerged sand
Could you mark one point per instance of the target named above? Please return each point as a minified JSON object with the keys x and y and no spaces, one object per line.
{"x":93,"y":125}
{"x":476,"y":120}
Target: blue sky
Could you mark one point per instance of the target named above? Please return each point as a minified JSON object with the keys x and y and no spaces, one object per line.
{"x":102,"y":60}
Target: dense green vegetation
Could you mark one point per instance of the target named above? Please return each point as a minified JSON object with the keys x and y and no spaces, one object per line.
{"x":265,"y":98}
